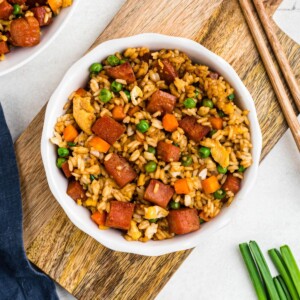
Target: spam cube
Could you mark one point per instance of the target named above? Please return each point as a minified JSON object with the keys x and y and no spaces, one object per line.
{"x":184,"y":220}
{"x":166,"y":71}
{"x":123,"y":71}
{"x":119,"y":169}
{"x":232,"y":184}
{"x":168,"y":152}
{"x":120,"y":215}
{"x":161,"y":101}
{"x":193,"y":130}
{"x":158,"y":193}
{"x":75,"y":190}
{"x":108,"y":129}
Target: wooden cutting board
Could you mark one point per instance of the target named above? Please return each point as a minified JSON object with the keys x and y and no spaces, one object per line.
{"x":73,"y":259}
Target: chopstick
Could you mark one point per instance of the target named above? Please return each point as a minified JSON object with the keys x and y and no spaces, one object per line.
{"x":273,"y":74}
{"x":278,"y":51}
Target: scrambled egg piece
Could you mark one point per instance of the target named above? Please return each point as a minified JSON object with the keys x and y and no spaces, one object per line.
{"x":84,"y":113}
{"x":218,"y":152}
{"x":155,"y":212}
{"x":134,"y":231}
{"x":136,"y":93}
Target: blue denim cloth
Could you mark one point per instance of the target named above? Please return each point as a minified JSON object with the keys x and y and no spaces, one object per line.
{"x":18,"y":280}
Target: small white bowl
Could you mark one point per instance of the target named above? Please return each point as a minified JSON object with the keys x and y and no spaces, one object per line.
{"x":77,"y":76}
{"x":20,"y":56}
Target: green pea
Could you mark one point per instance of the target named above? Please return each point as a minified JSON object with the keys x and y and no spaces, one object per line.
{"x":212,"y":132}
{"x":127,"y":93}
{"x":92,"y":177}
{"x":60,"y":161}
{"x":208,"y":103}
{"x":143,"y":126}
{"x":113,"y":60}
{"x":241,"y":169}
{"x":204,"y":152}
{"x":151,"y":167}
{"x":201,"y":221}
{"x":221,"y":170}
{"x":152,"y":150}
{"x":71,"y":144}
{"x":231,"y":96}
{"x":221,"y":113}
{"x":63,"y":152}
{"x":105,"y":95}
{"x":220,"y":194}
{"x":186,"y":160}
{"x":116,"y":86}
{"x":153,"y":220}
{"x":17,"y":9}
{"x":174,"y":205}
{"x":95,"y":68}
{"x":189,"y":103}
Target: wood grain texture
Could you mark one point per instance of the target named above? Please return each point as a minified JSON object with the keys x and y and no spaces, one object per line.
{"x":53,"y":243}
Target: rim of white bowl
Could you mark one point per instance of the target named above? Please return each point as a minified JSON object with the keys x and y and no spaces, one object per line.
{"x":153,"y":248}
{"x":44,"y":44}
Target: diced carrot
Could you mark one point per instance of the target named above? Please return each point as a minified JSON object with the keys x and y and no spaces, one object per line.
{"x":99,"y":217}
{"x":99,"y":144}
{"x":133,"y":110}
{"x":181,"y":186}
{"x":216,"y":123}
{"x":169,"y":122}
{"x":210,"y":185}
{"x":203,"y":217}
{"x":55,"y":5}
{"x":70,"y":133}
{"x":81,"y":92}
{"x":118,"y":113}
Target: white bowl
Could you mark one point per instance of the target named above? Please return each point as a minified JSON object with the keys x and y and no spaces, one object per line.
{"x":77,"y":76}
{"x":20,"y":56}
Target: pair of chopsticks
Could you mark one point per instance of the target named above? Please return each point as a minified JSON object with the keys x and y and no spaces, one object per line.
{"x":283,"y":63}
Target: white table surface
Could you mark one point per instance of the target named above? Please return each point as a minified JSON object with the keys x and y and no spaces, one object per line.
{"x":269,"y":214}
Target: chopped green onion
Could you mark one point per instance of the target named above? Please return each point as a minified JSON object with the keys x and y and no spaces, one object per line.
{"x":201,"y":221}
{"x":92,"y":177}
{"x":71,"y":144}
{"x":279,"y":289}
{"x":264,"y":270}
{"x":253,"y":272}
{"x":231,"y":96}
{"x":281,"y":268}
{"x":291,"y":265}
{"x":284,"y":287}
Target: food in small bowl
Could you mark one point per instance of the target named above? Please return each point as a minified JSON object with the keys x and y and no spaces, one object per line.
{"x":78,"y":76}
{"x":154,"y":145}
{"x":21,"y":21}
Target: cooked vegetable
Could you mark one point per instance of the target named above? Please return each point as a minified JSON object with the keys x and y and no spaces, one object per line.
{"x":71,"y":144}
{"x":17,"y":9}
{"x":208,"y":103}
{"x":231,"y":96}
{"x":181,"y":186}
{"x":152,"y":150}
{"x":291,"y":265}
{"x":113,"y":60}
{"x":216,"y":123}
{"x":212,"y":132}
{"x":55,"y":5}
{"x":150,"y":166}
{"x":253,"y":272}
{"x":186,"y":160}
{"x":204,"y":152}
{"x":60,"y":161}
{"x":221,"y":113}
{"x":241,"y":169}
{"x":118,"y":113}
{"x":70,"y":133}
{"x":189,"y":103}
{"x":143,"y":126}
{"x":174,"y":205}
{"x":99,"y":144}
{"x":221,"y":170}
{"x":169,"y":122}
{"x":105,"y":95}
{"x":210,"y":185}
{"x":63,"y":151}
{"x":264,"y":270}
{"x":92,"y":177}
{"x":95,"y":68}
{"x":116,"y":86}
{"x":127,"y":93}
{"x":219,"y":194}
